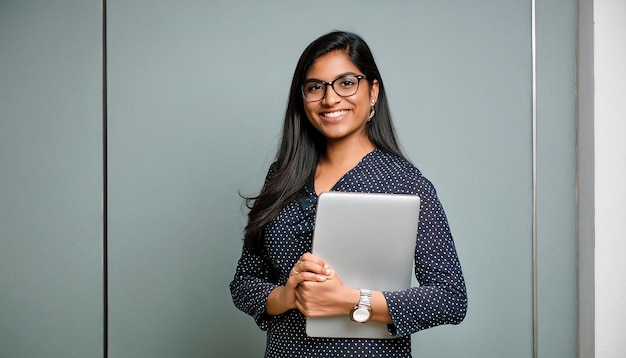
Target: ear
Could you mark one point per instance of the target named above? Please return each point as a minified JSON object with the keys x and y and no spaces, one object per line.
{"x":374,"y":91}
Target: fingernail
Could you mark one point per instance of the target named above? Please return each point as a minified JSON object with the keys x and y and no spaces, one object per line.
{"x":321,"y":278}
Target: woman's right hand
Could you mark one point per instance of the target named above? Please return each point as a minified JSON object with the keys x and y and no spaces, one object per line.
{"x":308,"y":268}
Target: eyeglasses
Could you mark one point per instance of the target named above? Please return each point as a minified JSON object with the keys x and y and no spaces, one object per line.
{"x":345,"y":86}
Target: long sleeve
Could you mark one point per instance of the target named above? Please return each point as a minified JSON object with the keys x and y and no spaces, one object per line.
{"x":253,"y":281}
{"x":441,"y":297}
{"x":251,"y":286}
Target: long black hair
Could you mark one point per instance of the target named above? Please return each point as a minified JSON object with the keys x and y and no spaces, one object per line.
{"x":301,"y":144}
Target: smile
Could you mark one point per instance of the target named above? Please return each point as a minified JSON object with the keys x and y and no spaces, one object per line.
{"x":335,"y":114}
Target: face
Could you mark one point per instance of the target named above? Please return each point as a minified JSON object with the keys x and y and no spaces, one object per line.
{"x":340,"y":118}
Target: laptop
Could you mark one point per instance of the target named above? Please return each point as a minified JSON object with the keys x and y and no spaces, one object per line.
{"x":369,"y":240}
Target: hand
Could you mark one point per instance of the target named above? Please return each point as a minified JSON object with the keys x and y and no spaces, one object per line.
{"x":309,"y":268}
{"x":325,"y":298}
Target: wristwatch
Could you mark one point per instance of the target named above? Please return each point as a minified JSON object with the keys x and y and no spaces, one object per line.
{"x":362,"y":312}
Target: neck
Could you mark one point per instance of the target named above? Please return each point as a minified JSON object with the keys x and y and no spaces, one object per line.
{"x":339,"y":153}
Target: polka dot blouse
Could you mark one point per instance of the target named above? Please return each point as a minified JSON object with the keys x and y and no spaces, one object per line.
{"x":439,"y":299}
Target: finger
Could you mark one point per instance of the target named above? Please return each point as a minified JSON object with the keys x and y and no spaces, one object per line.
{"x":309,"y":257}
{"x":312,"y":263}
{"x":296,"y":269}
{"x":309,"y":266}
{"x":307,"y":276}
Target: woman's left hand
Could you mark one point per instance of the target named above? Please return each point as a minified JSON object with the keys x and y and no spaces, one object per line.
{"x":328,"y":298}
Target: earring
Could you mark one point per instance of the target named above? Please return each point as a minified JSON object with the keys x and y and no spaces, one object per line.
{"x":372,"y":111}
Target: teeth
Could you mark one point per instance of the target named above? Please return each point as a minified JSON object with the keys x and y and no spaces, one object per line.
{"x":335,"y":114}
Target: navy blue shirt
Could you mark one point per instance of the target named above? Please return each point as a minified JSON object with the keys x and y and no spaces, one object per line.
{"x":439,"y":299}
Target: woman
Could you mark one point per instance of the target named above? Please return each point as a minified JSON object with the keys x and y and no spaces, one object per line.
{"x":338,"y":135}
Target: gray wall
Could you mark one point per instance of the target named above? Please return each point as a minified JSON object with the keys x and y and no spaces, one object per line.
{"x":51,"y":273}
{"x":196,"y":91}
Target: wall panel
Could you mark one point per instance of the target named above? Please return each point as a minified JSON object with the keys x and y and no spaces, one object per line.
{"x":196,"y":94}
{"x":51,"y":297}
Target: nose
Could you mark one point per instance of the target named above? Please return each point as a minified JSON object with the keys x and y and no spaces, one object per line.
{"x":330,"y":96}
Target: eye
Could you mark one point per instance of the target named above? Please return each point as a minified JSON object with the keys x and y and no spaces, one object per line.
{"x":313,"y":87}
{"x":347,"y":82}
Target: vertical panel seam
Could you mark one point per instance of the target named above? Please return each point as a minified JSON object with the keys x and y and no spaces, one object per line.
{"x":534,"y":178}
{"x":105,"y":194}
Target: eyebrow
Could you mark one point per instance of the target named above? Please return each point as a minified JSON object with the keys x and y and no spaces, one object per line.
{"x":349,"y":73}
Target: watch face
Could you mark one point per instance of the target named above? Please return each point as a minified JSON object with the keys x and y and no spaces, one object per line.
{"x":361,"y":314}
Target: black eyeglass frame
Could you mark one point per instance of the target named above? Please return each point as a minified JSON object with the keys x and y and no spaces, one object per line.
{"x":332,"y":84}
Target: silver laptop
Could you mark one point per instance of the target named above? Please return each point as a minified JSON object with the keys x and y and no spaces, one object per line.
{"x":369,"y":240}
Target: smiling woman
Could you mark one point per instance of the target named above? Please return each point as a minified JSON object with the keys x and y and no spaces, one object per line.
{"x":335,"y":140}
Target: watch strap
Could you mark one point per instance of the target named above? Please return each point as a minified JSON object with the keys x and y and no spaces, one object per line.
{"x":365,"y":299}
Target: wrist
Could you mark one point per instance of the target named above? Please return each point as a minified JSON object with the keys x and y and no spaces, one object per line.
{"x":352,"y":299}
{"x":362,"y":311}
{"x":278,"y":302}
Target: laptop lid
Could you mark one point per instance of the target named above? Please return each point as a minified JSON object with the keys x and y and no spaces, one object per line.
{"x":369,"y":240}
